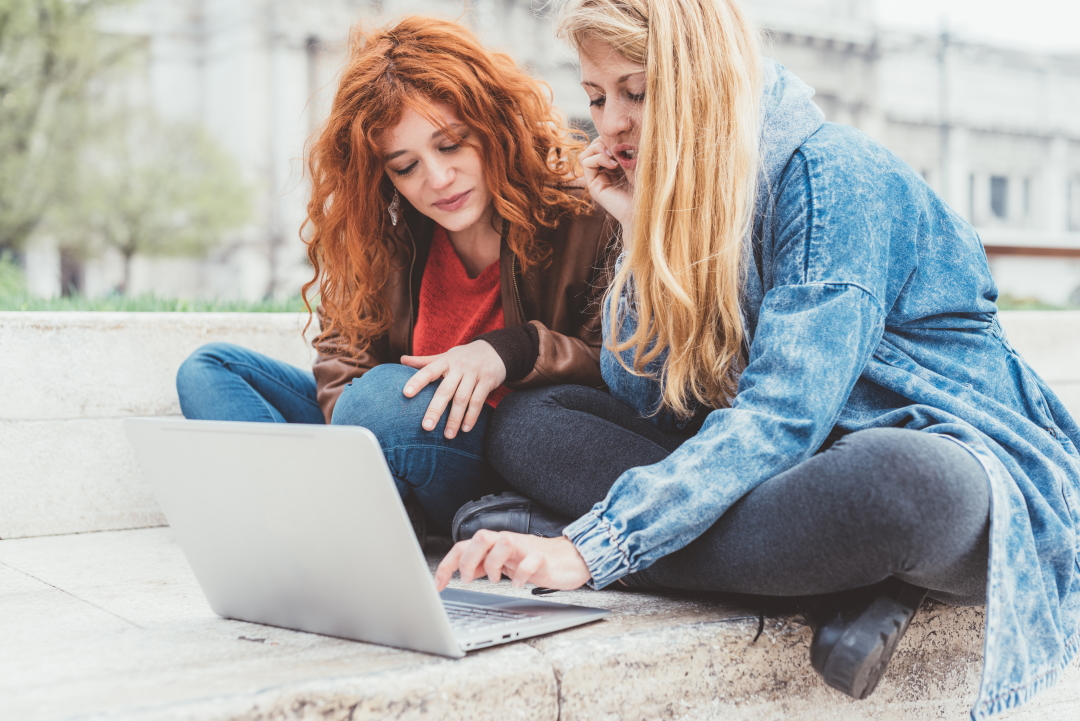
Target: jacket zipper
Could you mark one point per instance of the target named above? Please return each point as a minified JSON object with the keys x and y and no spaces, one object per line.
{"x":517,"y":293}
{"x":412,"y":268}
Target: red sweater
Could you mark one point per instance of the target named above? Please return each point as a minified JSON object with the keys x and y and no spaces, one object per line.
{"x":455,"y":308}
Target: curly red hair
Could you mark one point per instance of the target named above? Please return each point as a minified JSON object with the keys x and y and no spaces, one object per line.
{"x":527,"y":150}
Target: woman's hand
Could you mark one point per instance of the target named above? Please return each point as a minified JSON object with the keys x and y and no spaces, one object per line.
{"x":548,"y":562}
{"x":469,"y":372}
{"x":607,"y":183}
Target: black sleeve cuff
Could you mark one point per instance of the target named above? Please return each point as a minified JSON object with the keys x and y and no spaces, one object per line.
{"x":518,"y":346}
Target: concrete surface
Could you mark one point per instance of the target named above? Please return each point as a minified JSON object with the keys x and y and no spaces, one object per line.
{"x":112,"y":625}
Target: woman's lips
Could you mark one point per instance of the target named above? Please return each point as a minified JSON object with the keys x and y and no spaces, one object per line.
{"x":453,"y":202}
{"x":626,"y":154}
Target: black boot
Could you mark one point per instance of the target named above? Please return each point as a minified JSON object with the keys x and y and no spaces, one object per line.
{"x":507,"y":512}
{"x":856,"y":634}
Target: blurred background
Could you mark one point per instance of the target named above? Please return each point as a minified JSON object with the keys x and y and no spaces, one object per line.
{"x":153,"y":148}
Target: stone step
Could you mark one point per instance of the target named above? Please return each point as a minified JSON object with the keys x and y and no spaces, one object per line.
{"x":62,"y":366}
{"x":67,"y":378}
{"x":113,"y":626}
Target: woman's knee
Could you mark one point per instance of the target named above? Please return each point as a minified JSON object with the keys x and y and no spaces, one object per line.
{"x":206,"y":360}
{"x":377,"y":401}
{"x":530,"y":406}
{"x":921,"y":480}
{"x":516,"y":416}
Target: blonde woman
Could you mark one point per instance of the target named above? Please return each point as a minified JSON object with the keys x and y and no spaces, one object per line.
{"x":810,"y":392}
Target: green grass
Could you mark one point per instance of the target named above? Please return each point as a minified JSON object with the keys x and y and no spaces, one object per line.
{"x":1009,"y":302}
{"x":13,"y":296}
{"x":149,"y":304}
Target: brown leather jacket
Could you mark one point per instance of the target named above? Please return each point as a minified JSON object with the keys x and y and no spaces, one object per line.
{"x":560,"y":301}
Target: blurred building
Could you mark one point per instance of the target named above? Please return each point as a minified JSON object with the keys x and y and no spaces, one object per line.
{"x":995,"y":131}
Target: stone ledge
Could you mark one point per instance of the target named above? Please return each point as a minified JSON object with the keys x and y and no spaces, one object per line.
{"x":71,"y":476}
{"x":107,"y":365}
{"x":113,"y":626}
{"x":75,"y":374}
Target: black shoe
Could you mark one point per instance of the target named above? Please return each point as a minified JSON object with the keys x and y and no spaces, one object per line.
{"x":855,"y":640}
{"x":507,"y":512}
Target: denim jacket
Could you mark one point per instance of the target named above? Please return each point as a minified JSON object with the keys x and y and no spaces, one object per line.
{"x":867,"y":303}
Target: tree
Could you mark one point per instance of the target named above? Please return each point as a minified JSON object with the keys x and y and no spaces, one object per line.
{"x":150,"y":187}
{"x":50,"y":54}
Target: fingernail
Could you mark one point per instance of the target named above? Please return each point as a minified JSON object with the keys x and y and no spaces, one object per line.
{"x":408,"y":390}
{"x":608,"y":152}
{"x":466,"y":428}
{"x":429,"y":425}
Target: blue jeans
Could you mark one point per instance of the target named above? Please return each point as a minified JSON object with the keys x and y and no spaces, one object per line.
{"x":222,"y":381}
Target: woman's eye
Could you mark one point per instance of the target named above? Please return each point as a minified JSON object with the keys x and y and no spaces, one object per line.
{"x":402,"y":172}
{"x":636,"y":97}
{"x":450,"y":148}
{"x":597,"y":102}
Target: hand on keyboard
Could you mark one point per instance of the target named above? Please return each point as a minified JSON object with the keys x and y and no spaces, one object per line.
{"x":549,"y":562}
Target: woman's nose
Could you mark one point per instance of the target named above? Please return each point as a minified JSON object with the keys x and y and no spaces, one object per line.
{"x":617,"y":120}
{"x":442,"y":175}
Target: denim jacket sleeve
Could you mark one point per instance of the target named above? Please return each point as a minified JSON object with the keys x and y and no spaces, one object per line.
{"x":820,"y":321}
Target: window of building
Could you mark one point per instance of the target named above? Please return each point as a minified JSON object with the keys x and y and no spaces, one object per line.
{"x":999,"y":196}
{"x":1027,"y":197}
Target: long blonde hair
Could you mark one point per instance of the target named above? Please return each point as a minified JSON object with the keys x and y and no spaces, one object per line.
{"x":695,"y":184}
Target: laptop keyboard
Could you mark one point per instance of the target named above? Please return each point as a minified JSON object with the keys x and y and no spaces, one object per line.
{"x":467,"y":617}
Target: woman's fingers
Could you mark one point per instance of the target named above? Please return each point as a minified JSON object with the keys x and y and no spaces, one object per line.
{"x":551,"y":562}
{"x":418,"y":361}
{"x":607,"y":183}
{"x":448,"y":565}
{"x":434,"y":369}
{"x":599,"y":169}
{"x":439,"y":401}
{"x":469,"y":373}
{"x":475,"y":553}
{"x":479,"y":397}
{"x":530,"y":566}
{"x":463,"y":396}
{"x":497,"y":557}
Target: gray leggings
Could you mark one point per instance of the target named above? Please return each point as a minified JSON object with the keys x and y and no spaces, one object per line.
{"x":878,"y":503}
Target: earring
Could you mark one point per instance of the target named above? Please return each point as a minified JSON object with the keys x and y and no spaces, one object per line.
{"x":395,"y":205}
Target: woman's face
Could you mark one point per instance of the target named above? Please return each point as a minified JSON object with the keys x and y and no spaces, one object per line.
{"x":441,"y":179}
{"x":616,"y":88}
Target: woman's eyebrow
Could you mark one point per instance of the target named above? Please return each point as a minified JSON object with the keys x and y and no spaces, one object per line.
{"x":619,"y":81}
{"x":453,"y":127}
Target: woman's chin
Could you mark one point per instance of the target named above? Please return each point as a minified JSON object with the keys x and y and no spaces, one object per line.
{"x":458,"y":220}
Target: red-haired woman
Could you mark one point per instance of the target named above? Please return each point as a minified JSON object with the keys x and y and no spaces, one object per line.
{"x":453,"y":256}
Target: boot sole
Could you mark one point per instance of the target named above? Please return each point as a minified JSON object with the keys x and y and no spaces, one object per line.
{"x":859,"y":659}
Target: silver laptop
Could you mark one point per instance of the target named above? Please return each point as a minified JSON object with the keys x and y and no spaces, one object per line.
{"x":301,"y":526}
